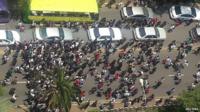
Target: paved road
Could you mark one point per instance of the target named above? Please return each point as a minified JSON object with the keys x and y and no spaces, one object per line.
{"x":179,"y":34}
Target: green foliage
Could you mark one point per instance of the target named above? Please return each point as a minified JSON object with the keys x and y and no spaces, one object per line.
{"x":26,"y":11}
{"x":62,"y":94}
{"x":94,"y":110}
{"x":1,"y":91}
{"x":5,"y":105}
{"x":186,"y":101}
{"x":190,"y":99}
{"x":170,"y":108}
{"x":21,"y":4}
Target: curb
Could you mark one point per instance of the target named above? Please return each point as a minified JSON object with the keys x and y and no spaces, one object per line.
{"x":120,"y":100}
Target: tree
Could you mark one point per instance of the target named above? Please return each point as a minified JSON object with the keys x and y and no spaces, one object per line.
{"x":190,"y":99}
{"x":61,"y":95}
{"x":187,"y":100}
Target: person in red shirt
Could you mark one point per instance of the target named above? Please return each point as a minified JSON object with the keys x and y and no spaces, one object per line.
{"x":117,"y":74}
{"x":82,"y":93}
{"x":100,"y":85}
{"x":77,"y":82}
{"x":97,"y":56}
{"x":78,"y":60}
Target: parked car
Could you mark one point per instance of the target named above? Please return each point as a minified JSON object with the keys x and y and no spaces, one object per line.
{"x":195,"y":34}
{"x":184,"y":13}
{"x":149,"y":33}
{"x":137,"y":12}
{"x":107,"y":33}
{"x":9,"y":37}
{"x":53,"y":33}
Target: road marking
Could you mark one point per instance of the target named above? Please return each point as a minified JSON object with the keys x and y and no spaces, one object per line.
{"x":174,"y":75}
{"x":21,"y":82}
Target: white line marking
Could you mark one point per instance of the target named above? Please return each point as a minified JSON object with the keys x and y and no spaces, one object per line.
{"x":174,"y":75}
{"x":21,"y":82}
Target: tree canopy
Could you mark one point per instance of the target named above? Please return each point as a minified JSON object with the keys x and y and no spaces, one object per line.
{"x":61,"y":95}
{"x":190,"y":99}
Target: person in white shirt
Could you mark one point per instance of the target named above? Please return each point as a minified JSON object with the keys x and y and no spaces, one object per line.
{"x":126,"y":93}
{"x":14,"y":98}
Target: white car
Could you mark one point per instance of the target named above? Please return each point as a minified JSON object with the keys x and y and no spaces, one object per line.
{"x":9,"y":37}
{"x":149,"y":33}
{"x":195,"y":34}
{"x":53,"y":33}
{"x":184,"y":13}
{"x":137,"y":12}
{"x":101,"y":34}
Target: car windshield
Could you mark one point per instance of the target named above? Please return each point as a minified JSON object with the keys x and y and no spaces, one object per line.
{"x":129,"y":11}
{"x":43,"y":32}
{"x":142,"y":32}
{"x":178,"y":10}
{"x":157,"y":32}
{"x":111,"y":32}
{"x":193,"y":12}
{"x":96,"y":32}
{"x":105,"y":37}
{"x":146,"y":13}
{"x":61,"y":32}
{"x":9,"y":35}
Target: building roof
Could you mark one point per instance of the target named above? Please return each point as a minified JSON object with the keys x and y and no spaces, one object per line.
{"x":64,"y":5}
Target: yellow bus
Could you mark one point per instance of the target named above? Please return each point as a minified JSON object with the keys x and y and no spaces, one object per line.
{"x":61,"y":10}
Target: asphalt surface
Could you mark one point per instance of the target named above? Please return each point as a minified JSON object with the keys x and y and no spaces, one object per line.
{"x":180,"y":34}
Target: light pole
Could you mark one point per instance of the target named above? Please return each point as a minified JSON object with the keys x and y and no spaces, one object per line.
{"x":144,"y":94}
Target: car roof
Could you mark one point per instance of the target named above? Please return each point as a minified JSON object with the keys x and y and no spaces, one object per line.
{"x":186,"y":10}
{"x":2,"y":34}
{"x":150,"y":30}
{"x":98,"y":33}
{"x":52,"y":32}
{"x":68,"y":34}
{"x":65,"y":33}
{"x":104,"y":32}
{"x":138,"y":10}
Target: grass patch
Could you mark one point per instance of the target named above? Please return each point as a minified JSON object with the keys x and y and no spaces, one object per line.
{"x":93,"y":110}
{"x":1,"y":90}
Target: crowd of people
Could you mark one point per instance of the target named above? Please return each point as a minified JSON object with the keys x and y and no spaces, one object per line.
{"x":106,"y":65}
{"x":124,"y":62}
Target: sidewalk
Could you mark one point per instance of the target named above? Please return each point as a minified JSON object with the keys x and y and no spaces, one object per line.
{"x":118,"y":105}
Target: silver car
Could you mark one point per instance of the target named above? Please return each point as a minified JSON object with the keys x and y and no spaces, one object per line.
{"x":184,"y":13}
{"x":53,"y":33}
{"x":105,"y":33}
{"x":149,"y":33}
{"x":136,"y":13}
